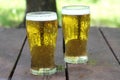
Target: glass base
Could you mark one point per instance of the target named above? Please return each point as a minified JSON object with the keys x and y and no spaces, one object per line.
{"x":43,"y":71}
{"x":76,"y":60}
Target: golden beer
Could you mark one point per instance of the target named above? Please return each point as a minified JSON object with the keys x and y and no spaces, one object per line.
{"x":42,"y":33}
{"x":75,"y":23}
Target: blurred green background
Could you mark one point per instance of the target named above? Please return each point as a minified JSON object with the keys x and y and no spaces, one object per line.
{"x":104,"y":13}
{"x":11,"y":12}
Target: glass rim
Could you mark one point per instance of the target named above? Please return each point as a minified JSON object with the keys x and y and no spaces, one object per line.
{"x":76,"y":10}
{"x":41,"y":16}
{"x":75,"y":6}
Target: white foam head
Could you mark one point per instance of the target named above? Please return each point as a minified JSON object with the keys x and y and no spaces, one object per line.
{"x":41,"y":16}
{"x":75,"y":10}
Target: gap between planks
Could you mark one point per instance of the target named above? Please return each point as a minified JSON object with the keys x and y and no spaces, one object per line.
{"x":21,"y":49}
{"x":107,"y":42}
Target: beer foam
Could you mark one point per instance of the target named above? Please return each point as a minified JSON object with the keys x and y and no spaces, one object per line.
{"x":41,"y":16}
{"x":75,"y":10}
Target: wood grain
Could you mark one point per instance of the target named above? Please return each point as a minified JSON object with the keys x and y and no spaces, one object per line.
{"x":91,"y":72}
{"x":22,"y":70}
{"x":113,"y":38}
{"x":102,"y":64}
{"x":11,"y":41}
{"x":100,"y":57}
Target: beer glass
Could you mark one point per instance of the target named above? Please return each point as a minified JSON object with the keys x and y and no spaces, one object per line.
{"x":42,"y":30}
{"x":75,"y":24}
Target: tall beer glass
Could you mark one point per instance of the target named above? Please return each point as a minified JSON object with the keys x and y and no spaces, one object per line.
{"x":42,"y":32}
{"x":75,"y":23}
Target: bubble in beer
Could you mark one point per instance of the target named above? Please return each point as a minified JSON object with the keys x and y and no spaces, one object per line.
{"x":41,"y":30}
{"x":75,"y":24}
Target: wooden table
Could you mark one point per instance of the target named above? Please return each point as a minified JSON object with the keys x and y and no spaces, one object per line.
{"x":103,"y":50}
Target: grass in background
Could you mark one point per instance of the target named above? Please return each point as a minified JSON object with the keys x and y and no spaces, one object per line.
{"x":103,"y":12}
{"x":106,"y":13}
{"x":11,"y":12}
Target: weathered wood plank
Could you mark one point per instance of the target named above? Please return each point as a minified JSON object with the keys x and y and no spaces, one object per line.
{"x":99,"y":55}
{"x":90,"y":72}
{"x":22,"y":70}
{"x":11,"y":41}
{"x":113,"y":37}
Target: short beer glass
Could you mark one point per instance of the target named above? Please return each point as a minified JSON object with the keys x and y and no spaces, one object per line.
{"x":42,"y":30}
{"x":75,"y":24}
